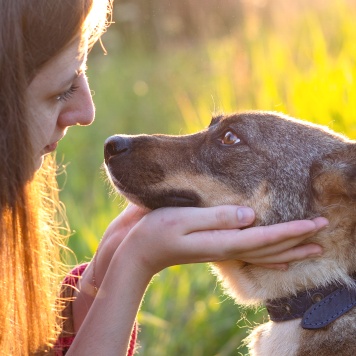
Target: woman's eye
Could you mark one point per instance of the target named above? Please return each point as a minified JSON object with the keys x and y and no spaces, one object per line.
{"x":230,"y":138}
{"x":67,"y":94}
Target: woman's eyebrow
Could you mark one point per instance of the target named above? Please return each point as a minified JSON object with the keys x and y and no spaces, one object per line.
{"x":70,"y":80}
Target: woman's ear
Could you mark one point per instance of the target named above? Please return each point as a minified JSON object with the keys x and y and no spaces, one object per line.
{"x":333,"y":178}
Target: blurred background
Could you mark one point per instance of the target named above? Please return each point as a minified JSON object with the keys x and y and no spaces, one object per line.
{"x":169,"y":65}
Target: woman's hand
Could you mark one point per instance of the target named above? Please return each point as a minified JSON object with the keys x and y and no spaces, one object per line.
{"x":138,"y":244}
{"x":171,"y":236}
{"x":115,"y":234}
{"x":188,"y":235}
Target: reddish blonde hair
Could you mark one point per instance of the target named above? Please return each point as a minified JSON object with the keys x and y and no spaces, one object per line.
{"x":31,"y":34}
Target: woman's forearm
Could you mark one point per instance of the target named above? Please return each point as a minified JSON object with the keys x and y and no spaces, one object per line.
{"x":107,"y":326}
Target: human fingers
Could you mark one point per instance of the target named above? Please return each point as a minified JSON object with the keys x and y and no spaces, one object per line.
{"x":132,"y":214}
{"x":189,"y":220}
{"x":276,"y":238}
{"x":278,"y":256}
{"x":116,"y":232}
{"x":293,"y":254}
{"x":171,"y":231}
{"x":276,"y":248}
{"x":124,"y":222}
{"x":253,"y":243}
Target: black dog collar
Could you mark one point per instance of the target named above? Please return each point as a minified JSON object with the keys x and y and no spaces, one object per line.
{"x":317,"y":307}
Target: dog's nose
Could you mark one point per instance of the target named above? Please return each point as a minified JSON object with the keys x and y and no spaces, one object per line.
{"x":116,"y":145}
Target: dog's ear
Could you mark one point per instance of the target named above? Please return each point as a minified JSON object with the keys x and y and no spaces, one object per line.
{"x":333,"y":178}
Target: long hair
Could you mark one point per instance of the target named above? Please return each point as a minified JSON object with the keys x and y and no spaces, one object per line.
{"x":32,"y":32}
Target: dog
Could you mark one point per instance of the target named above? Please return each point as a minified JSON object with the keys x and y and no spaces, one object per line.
{"x":285,"y":169}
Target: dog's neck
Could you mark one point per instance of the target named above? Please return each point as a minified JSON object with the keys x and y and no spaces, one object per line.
{"x":317,"y":307}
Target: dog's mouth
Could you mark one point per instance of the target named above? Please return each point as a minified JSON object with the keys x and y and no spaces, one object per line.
{"x":175,"y":198}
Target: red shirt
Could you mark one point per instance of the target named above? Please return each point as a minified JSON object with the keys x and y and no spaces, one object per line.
{"x":64,"y":343}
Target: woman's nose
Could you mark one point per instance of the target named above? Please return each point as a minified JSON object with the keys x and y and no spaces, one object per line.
{"x":80,"y":109}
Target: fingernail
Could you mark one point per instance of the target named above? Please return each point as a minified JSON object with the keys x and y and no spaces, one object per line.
{"x":323,"y":227}
{"x":245,"y":215}
{"x":315,"y":255}
{"x":317,"y":252}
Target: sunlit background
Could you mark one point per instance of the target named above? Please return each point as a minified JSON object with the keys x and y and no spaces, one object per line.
{"x":170,"y":64}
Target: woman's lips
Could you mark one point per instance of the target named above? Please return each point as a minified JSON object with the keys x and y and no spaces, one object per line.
{"x":53,"y":146}
{"x":50,"y":148}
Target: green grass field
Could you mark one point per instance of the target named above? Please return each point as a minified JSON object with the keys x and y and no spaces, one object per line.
{"x":303,"y":64}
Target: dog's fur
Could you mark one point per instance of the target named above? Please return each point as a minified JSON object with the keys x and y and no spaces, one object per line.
{"x":283,"y":168}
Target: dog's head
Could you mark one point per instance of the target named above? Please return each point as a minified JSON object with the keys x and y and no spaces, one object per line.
{"x":283,"y":168}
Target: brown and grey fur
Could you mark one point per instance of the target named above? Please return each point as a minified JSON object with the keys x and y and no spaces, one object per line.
{"x":285,"y":169}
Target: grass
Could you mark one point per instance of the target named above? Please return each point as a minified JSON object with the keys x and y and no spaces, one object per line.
{"x":302,"y":64}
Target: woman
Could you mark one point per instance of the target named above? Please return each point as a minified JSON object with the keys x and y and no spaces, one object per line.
{"x":44,"y":91}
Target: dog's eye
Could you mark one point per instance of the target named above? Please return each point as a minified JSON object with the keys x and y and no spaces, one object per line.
{"x":230,"y":138}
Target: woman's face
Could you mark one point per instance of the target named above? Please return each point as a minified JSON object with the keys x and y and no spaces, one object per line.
{"x":58,"y":97}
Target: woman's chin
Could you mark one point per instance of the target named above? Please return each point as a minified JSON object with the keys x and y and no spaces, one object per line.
{"x":38,"y":163}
